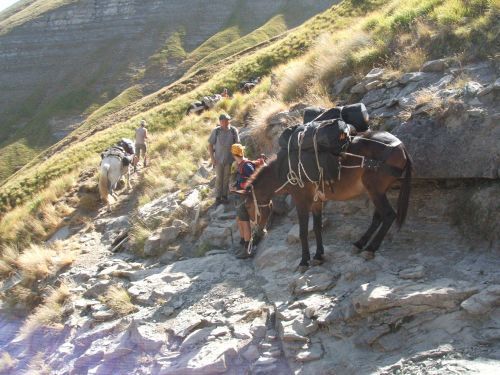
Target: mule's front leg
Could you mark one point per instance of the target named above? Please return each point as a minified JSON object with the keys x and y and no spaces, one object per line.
{"x":318,"y":229}
{"x":304,"y":230}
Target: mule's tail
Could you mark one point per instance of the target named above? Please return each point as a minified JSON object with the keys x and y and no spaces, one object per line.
{"x":104,"y":183}
{"x":404,"y":193}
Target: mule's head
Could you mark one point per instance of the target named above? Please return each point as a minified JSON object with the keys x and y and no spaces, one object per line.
{"x":259,"y":207}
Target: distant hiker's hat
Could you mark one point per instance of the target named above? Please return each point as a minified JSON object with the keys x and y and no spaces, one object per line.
{"x":143,"y":122}
{"x":238,"y":149}
{"x":224,"y":116}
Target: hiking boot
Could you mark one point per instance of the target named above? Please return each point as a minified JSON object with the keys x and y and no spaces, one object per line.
{"x":243,"y":254}
{"x":245,"y":251}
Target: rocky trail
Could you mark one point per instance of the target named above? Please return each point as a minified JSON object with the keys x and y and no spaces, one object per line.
{"x":429,"y":303}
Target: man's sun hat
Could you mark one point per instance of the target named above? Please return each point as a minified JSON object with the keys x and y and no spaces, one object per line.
{"x":224,"y":116}
{"x":143,"y":122}
{"x":238,"y":149}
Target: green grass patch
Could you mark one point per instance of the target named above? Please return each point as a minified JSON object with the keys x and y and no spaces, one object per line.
{"x":219,"y":40}
{"x":172,"y":51}
{"x":128,"y":96}
{"x":273,"y":27}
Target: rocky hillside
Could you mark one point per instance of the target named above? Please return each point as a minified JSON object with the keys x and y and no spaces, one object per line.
{"x":154,"y":286}
{"x":61,"y":60}
{"x":428,"y":302}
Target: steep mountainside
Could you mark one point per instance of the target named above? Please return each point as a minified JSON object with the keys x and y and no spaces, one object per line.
{"x":60,"y":60}
{"x":154,"y":286}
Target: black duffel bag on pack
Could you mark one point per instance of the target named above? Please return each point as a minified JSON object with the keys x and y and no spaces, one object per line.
{"x":353,"y":114}
{"x":331,"y":137}
{"x":327,"y":161}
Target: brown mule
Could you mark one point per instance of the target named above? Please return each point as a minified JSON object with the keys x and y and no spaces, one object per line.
{"x":372,"y":163}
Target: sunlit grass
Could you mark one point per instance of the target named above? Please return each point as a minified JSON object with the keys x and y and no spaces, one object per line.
{"x":118,"y":300}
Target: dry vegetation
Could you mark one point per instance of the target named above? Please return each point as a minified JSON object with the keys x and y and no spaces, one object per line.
{"x":36,"y":261}
{"x":48,"y":315}
{"x":349,"y":39}
{"x":118,"y":300}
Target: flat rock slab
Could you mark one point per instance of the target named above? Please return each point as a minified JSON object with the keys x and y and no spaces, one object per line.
{"x":443,"y":294}
{"x":210,"y":359}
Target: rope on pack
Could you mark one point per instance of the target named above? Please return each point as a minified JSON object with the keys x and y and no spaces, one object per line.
{"x":297,"y":179}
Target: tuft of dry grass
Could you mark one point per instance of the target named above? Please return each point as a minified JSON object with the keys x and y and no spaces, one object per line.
{"x":118,"y":300}
{"x":426,"y":96}
{"x":48,"y":315}
{"x":138,"y":236}
{"x":412,"y":59}
{"x":294,"y":78}
{"x":8,"y":260}
{"x":35,"y":262}
{"x":334,"y":54}
{"x":266,"y":122}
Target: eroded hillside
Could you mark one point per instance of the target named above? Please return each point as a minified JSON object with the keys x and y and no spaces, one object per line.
{"x":154,"y":286}
{"x":61,"y":60}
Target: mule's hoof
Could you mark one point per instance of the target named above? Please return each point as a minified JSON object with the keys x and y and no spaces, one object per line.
{"x":302,"y":269}
{"x":317,"y":262}
{"x":355,"y":250}
{"x":367,"y":255}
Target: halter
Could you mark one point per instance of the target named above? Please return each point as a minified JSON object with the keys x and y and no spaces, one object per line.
{"x":257,"y":205}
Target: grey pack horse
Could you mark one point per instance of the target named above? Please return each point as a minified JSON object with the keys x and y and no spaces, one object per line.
{"x":112,"y":170}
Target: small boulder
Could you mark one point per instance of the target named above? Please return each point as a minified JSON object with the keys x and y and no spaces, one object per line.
{"x":148,"y":337}
{"x":196,"y":337}
{"x":372,"y":85}
{"x":152,"y":245}
{"x":192,"y":200}
{"x":412,"y":77}
{"x":374,"y":74}
{"x":252,"y":353}
{"x":98,"y":289}
{"x":219,"y":237}
{"x":434,"y":66}
{"x":472,"y":88}
{"x":343,"y":85}
{"x":483,"y":302}
{"x":168,"y":235}
{"x":312,"y":353}
{"x":412,"y":273}
{"x":358,"y":89}
{"x":315,"y":282}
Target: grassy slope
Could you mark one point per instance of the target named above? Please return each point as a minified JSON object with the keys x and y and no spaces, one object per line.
{"x":173,"y":50}
{"x":213,"y":43}
{"x":26,"y":182}
{"x":384,"y":22}
{"x":27,"y":10}
{"x":273,"y":27}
